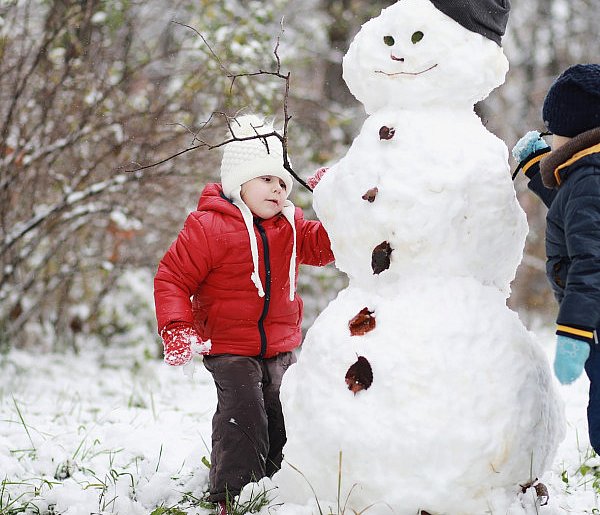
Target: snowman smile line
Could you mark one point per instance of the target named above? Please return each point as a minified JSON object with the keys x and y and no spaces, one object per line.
{"x":406,"y":73}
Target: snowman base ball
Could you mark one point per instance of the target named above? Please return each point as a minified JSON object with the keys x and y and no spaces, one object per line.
{"x":417,"y":390}
{"x":460,"y":413}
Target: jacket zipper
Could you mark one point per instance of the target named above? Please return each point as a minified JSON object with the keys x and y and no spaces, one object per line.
{"x":261,"y":320}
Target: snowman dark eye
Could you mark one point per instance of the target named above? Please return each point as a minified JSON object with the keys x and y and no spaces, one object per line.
{"x":388,"y":40}
{"x":416,"y":37}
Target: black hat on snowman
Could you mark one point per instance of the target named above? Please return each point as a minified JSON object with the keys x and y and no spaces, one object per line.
{"x":245,"y":160}
{"x":486,"y":17}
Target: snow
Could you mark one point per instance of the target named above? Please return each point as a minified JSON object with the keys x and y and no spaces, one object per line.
{"x":105,"y":414}
{"x":463,"y":409}
{"x":112,"y":416}
{"x":99,"y":18}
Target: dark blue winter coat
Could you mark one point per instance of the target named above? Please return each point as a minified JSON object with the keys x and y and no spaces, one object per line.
{"x":568,"y":181}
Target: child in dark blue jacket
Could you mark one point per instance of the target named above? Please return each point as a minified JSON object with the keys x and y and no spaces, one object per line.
{"x":567,"y":179}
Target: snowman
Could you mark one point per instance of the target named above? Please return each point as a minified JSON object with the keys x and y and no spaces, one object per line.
{"x":417,"y":389}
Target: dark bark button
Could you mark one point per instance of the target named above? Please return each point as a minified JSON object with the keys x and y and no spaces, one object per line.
{"x":540,"y":490}
{"x":362,"y":323}
{"x":370,"y":195}
{"x":359,"y":376}
{"x":380,"y":259}
{"x":386,"y":132}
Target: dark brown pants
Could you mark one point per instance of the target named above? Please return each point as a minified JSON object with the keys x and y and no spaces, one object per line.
{"x":248,"y":430}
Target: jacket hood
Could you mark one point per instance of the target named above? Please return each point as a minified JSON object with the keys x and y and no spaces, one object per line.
{"x":212,"y":198}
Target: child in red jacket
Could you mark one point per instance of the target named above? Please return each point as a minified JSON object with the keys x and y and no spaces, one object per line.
{"x":226,"y":289}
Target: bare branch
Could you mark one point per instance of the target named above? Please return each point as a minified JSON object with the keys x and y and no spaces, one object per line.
{"x":215,"y":56}
{"x":276,"y":50}
{"x":286,"y":116}
{"x":209,"y":146}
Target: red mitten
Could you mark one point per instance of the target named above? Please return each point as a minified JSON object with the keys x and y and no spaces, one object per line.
{"x":179,"y":342}
{"x":314,"y":179}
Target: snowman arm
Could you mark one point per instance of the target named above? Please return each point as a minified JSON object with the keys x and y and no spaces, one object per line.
{"x":314,"y":244}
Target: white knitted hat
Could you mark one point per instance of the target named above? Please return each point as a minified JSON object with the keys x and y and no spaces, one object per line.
{"x":246,"y":160}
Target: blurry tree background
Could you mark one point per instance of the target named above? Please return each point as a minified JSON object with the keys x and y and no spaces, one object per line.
{"x":90,"y":89}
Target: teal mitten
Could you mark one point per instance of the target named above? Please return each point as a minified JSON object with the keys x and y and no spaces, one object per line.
{"x":528,"y":145}
{"x":571,"y":355}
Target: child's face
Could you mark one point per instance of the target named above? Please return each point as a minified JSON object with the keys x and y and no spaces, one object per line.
{"x":264,"y":195}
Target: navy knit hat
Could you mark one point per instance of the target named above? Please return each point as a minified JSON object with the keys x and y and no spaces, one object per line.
{"x":486,"y":17}
{"x":572,"y":105}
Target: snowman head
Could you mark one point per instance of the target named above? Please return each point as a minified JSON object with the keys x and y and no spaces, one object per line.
{"x":414,"y":55}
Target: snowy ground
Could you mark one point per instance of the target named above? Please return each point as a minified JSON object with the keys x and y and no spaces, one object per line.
{"x":116,"y":432}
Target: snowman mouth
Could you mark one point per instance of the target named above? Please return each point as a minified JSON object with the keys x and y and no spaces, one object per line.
{"x":406,"y":73}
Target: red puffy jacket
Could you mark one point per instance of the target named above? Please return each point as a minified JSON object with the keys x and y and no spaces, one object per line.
{"x":211,"y":262}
